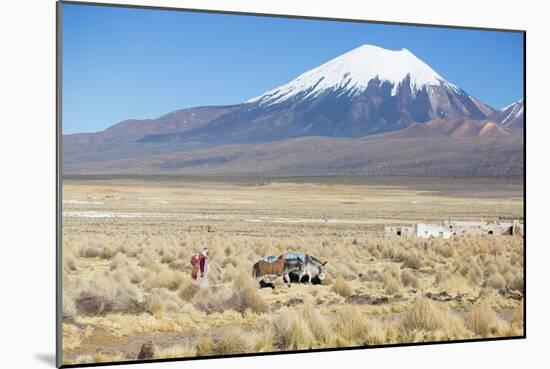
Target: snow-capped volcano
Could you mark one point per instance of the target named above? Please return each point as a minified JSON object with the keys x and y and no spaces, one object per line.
{"x":368,"y":90}
{"x":316,"y":124}
{"x":351,"y":73}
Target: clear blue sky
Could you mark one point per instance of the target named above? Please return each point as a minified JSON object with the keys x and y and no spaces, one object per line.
{"x":121,"y":63}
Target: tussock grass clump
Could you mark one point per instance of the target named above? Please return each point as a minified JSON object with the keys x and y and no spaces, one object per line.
{"x":316,"y":323}
{"x":188,"y":290}
{"x":71,"y":336}
{"x":118,"y":262}
{"x":101,"y":357}
{"x":262,"y":341}
{"x":351,"y":326}
{"x":413,"y":261}
{"x":371,"y":276}
{"x":211,"y":300}
{"x":164,"y":277}
{"x":176,"y":351}
{"x":291,"y":333}
{"x":495,"y":281}
{"x":517,"y":283}
{"x":422,"y":316}
{"x":445,"y":250}
{"x":107,"y":292}
{"x":146,"y":260}
{"x":231,"y":342}
{"x":108,"y":252}
{"x":441,"y":275}
{"x":68,"y":307}
{"x":205,"y":346}
{"x":341,"y":287}
{"x":245,"y":296}
{"x":69,"y":263}
{"x":474,"y":275}
{"x":391,"y":283}
{"x":408,"y":278}
{"x":168,"y":257}
{"x":161,"y":300}
{"x":457,"y":284}
{"x":91,"y":251}
{"x":135,"y":274}
{"x":483,"y":320}
{"x":517,"y":320}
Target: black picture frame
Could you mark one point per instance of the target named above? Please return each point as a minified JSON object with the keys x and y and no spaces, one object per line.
{"x":59,"y":176}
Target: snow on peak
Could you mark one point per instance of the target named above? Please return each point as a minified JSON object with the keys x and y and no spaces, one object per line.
{"x":520,"y":101}
{"x":512,"y":111}
{"x":351,"y":72}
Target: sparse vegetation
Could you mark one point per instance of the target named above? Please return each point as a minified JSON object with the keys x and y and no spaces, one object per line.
{"x":129,"y":278}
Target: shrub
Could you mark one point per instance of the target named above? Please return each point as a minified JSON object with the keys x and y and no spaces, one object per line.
{"x":341,"y":287}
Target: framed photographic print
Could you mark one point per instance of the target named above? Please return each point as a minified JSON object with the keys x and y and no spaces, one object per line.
{"x":238,"y":184}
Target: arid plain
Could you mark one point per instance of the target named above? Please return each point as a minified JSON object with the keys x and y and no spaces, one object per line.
{"x":127,"y":242}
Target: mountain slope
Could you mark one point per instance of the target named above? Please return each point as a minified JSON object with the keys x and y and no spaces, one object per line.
{"x":453,"y":128}
{"x":317,"y":156}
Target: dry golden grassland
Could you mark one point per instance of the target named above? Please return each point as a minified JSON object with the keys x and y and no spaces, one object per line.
{"x":126,"y":272}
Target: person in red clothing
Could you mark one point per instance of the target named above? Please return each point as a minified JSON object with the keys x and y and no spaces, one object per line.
{"x":199,"y":273}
